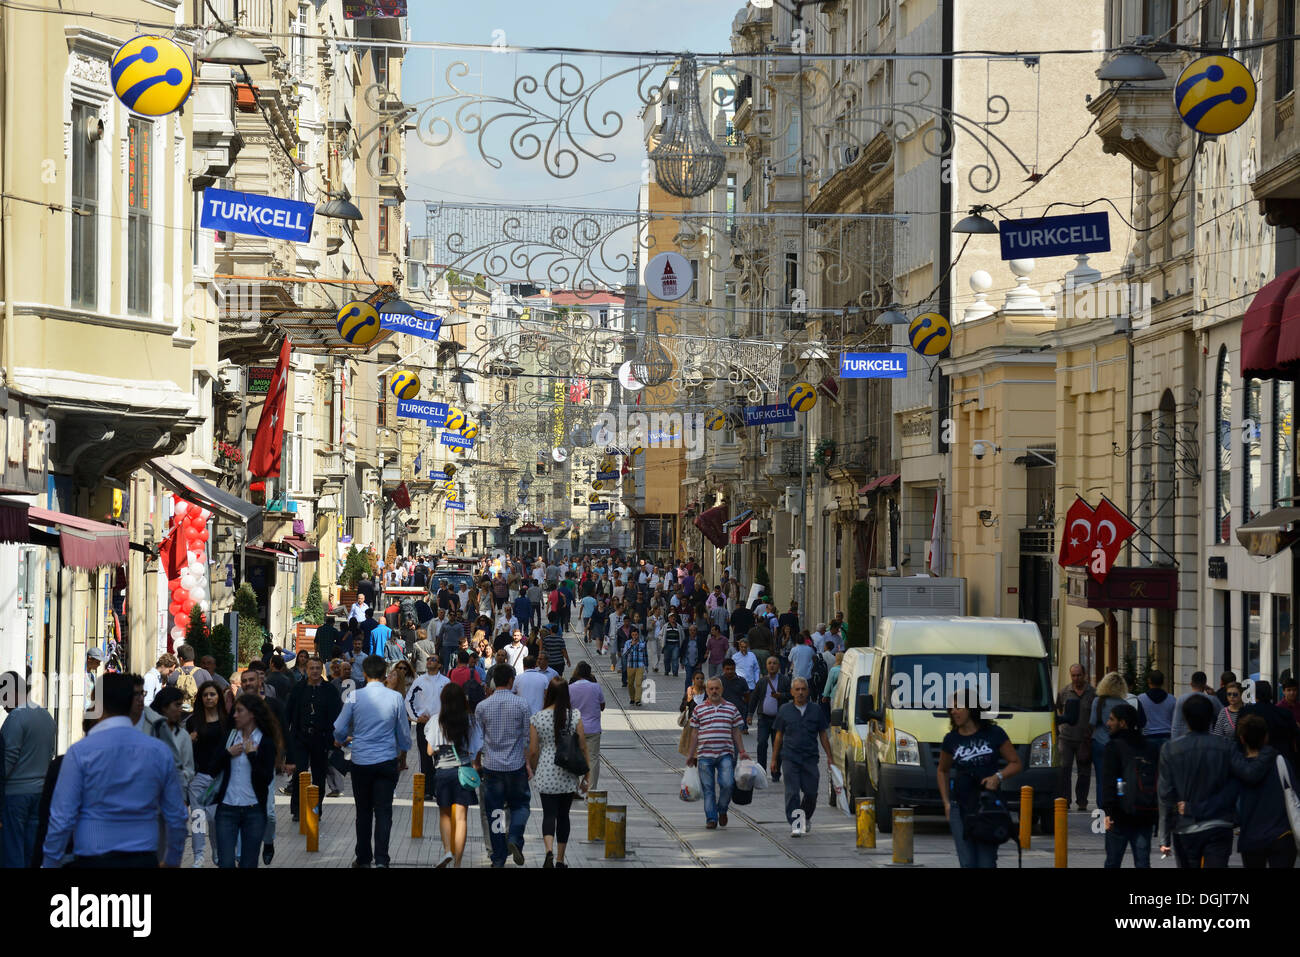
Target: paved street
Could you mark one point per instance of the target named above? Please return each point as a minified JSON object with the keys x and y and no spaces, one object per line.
{"x":640,"y":768}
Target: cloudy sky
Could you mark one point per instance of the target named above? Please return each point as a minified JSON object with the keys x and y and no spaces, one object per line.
{"x":455,"y":172}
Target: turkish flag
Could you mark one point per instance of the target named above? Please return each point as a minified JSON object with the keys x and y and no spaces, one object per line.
{"x":269,"y":441}
{"x":1112,"y":529}
{"x":401,"y":496}
{"x":1078,"y":536}
{"x":174,"y":554}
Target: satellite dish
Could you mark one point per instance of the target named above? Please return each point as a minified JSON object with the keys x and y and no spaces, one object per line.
{"x":627,"y":379}
{"x":559,"y":454}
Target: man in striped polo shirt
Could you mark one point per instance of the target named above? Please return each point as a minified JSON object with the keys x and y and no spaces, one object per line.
{"x":556,"y":652}
{"x":715,"y":747}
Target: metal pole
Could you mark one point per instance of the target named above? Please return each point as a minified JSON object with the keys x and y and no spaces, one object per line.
{"x":803,"y":260}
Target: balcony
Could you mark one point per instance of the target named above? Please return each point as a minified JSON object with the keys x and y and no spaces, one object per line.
{"x":1139,"y":121}
{"x":330,"y":468}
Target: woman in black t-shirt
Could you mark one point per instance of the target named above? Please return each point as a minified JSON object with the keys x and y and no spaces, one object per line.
{"x":968,"y":763}
{"x":208,"y":727}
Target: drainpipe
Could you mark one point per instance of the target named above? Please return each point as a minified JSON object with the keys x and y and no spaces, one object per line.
{"x":6,"y":232}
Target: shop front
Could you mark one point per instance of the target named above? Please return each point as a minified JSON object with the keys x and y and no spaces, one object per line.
{"x":1124,"y":590}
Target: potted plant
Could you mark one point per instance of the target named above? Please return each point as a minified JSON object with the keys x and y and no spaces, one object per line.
{"x":824,"y":455}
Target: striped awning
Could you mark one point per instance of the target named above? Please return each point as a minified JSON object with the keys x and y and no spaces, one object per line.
{"x":83,"y":542}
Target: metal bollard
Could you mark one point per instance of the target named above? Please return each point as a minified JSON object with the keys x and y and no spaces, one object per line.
{"x":1026,"y":815}
{"x":866,"y":822}
{"x":1062,"y":832}
{"x":304,"y":782}
{"x":417,"y":805}
{"x":615,"y":831}
{"x":309,"y":816}
{"x":904,"y":820}
{"x":596,"y":803}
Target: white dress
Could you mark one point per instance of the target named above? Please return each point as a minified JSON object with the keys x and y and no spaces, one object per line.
{"x":549,"y":777}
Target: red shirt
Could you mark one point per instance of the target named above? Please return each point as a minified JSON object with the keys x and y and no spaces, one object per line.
{"x":460,"y":674}
{"x":1293,"y":708}
{"x":555,"y":599}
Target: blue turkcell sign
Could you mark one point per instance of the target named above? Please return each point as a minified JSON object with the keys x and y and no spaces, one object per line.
{"x":873,"y":365}
{"x":455,"y":506}
{"x":598,"y":506}
{"x":437,"y":476}
{"x":767,"y":414}
{"x":423,"y":324}
{"x":1055,"y":236}
{"x":255,"y":215}
{"x":434,"y":413}
{"x":607,"y":476}
{"x":456,"y":440}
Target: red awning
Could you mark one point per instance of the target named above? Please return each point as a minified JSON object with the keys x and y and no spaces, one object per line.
{"x":710,"y":524}
{"x":1270,"y":331}
{"x":84,"y":543}
{"x":305,"y":550}
{"x":13,"y":521}
{"x":740,"y":531}
{"x":879,"y":483}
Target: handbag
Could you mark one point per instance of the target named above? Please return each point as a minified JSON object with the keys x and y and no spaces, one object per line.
{"x":466,"y":774}
{"x":1289,"y":798}
{"x":568,"y":751}
{"x":990,"y":822}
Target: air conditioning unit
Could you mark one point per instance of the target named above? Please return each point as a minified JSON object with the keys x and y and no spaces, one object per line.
{"x":760,"y":526}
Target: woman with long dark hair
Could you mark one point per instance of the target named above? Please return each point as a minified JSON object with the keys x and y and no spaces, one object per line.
{"x":968,"y":764}
{"x":554,"y":783}
{"x":252,"y":751}
{"x":208,"y":726}
{"x":454,"y":741}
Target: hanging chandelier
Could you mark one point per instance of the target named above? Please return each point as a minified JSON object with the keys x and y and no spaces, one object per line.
{"x":688,"y":162}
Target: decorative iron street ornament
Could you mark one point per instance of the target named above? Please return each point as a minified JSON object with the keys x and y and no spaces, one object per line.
{"x":688,"y":161}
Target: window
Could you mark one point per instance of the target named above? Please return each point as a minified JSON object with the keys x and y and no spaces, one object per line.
{"x":1281,"y":639}
{"x":1283,"y":446}
{"x":300,"y":42}
{"x":383,"y":228}
{"x":1158,"y":18}
{"x":299,"y":441}
{"x":85,"y":199}
{"x":729,"y":304}
{"x":1251,"y":623}
{"x":792,"y":145}
{"x":139,"y":186}
{"x":382,"y":418}
{"x":1252,"y":481}
{"x":1285,"y":51}
{"x":1223,"y":451}
{"x":695,"y":281}
{"x":385,"y":153}
{"x":791,"y":276}
{"x":731,"y":200}
{"x":604,"y":318}
{"x":381,"y":66}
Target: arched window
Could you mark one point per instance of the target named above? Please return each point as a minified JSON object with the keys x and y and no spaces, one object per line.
{"x":1252,"y":452}
{"x":1223,"y":450}
{"x":1283,"y":463}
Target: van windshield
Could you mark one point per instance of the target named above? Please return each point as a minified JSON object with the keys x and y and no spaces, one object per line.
{"x":1003,"y":682}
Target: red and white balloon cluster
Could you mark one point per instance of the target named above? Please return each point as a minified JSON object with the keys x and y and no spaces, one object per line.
{"x":190,"y":586}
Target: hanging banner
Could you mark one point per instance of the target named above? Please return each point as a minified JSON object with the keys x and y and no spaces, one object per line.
{"x":455,"y":440}
{"x":254,"y":215}
{"x":434,"y":413}
{"x":454,"y":506}
{"x":873,"y":365}
{"x":423,"y":324}
{"x":768,"y":414}
{"x":1046,"y":236}
{"x":373,"y":9}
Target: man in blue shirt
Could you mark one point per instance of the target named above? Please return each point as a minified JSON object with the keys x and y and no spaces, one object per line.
{"x":113,"y":786}
{"x":375,"y":718}
{"x":799,"y":725}
{"x":801,"y":661}
{"x":379,"y":633}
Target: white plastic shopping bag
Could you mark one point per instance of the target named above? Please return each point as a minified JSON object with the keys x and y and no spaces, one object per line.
{"x":691,"y":787}
{"x":750,"y":775}
{"x":841,"y":794}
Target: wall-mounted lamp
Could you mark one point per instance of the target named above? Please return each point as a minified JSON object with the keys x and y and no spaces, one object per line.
{"x":987,"y":518}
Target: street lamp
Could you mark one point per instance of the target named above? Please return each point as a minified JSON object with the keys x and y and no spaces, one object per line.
{"x":892,"y":316}
{"x":975,"y":224}
{"x":340,"y":206}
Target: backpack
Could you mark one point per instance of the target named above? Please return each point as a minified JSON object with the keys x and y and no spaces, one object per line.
{"x":1139,"y":771}
{"x":474,"y":692}
{"x":187,"y":686}
{"x":819,"y":674}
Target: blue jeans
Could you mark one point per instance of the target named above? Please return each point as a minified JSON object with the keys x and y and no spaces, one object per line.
{"x":1117,"y":840}
{"x":802,"y":781}
{"x":970,"y":853}
{"x":766,"y":734}
{"x":717,"y":796}
{"x":502,"y":789}
{"x":19,"y":836}
{"x":670,"y":659}
{"x":245,"y":823}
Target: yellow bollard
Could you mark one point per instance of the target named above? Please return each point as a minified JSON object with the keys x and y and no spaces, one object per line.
{"x":1062,"y":832}
{"x":1026,"y":815}
{"x":596,"y":803}
{"x":417,"y":805}
{"x":866,"y":822}
{"x":309,"y":816}
{"x":304,"y":782}
{"x":904,"y":820}
{"x":615,"y":831}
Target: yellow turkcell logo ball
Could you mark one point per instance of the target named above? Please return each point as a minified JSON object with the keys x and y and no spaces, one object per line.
{"x":152,"y":76}
{"x":637,"y":451}
{"x":470,"y":431}
{"x":456,"y":419}
{"x":802,"y":396}
{"x":593,"y":498}
{"x":358,"y":323}
{"x":453,"y":495}
{"x":598,"y":485}
{"x":714,"y":420}
{"x":405,"y":384}
{"x":930,"y":334}
{"x":1215,"y":94}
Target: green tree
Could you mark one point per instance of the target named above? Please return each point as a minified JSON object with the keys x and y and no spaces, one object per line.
{"x":351,"y":568}
{"x":858,"y":620}
{"x":196,"y":635}
{"x":220,"y":639}
{"x":763,"y":579}
{"x":314,"y":607}
{"x":250,"y":628}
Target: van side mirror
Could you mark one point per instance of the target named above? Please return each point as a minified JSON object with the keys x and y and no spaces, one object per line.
{"x":867,"y":709}
{"x":837,"y":718}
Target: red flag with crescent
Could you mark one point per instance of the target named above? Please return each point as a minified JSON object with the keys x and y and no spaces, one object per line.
{"x":1111,"y":530}
{"x":1078,"y":536}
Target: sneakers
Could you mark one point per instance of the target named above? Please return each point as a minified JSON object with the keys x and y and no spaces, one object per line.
{"x":334,"y":794}
{"x":796,"y":832}
{"x":447,"y":858}
{"x":268,"y":853}
{"x":199,"y":860}
{"x":710,"y":825}
{"x":515,"y":853}
{"x":722,"y":820}
{"x":550,"y":860}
